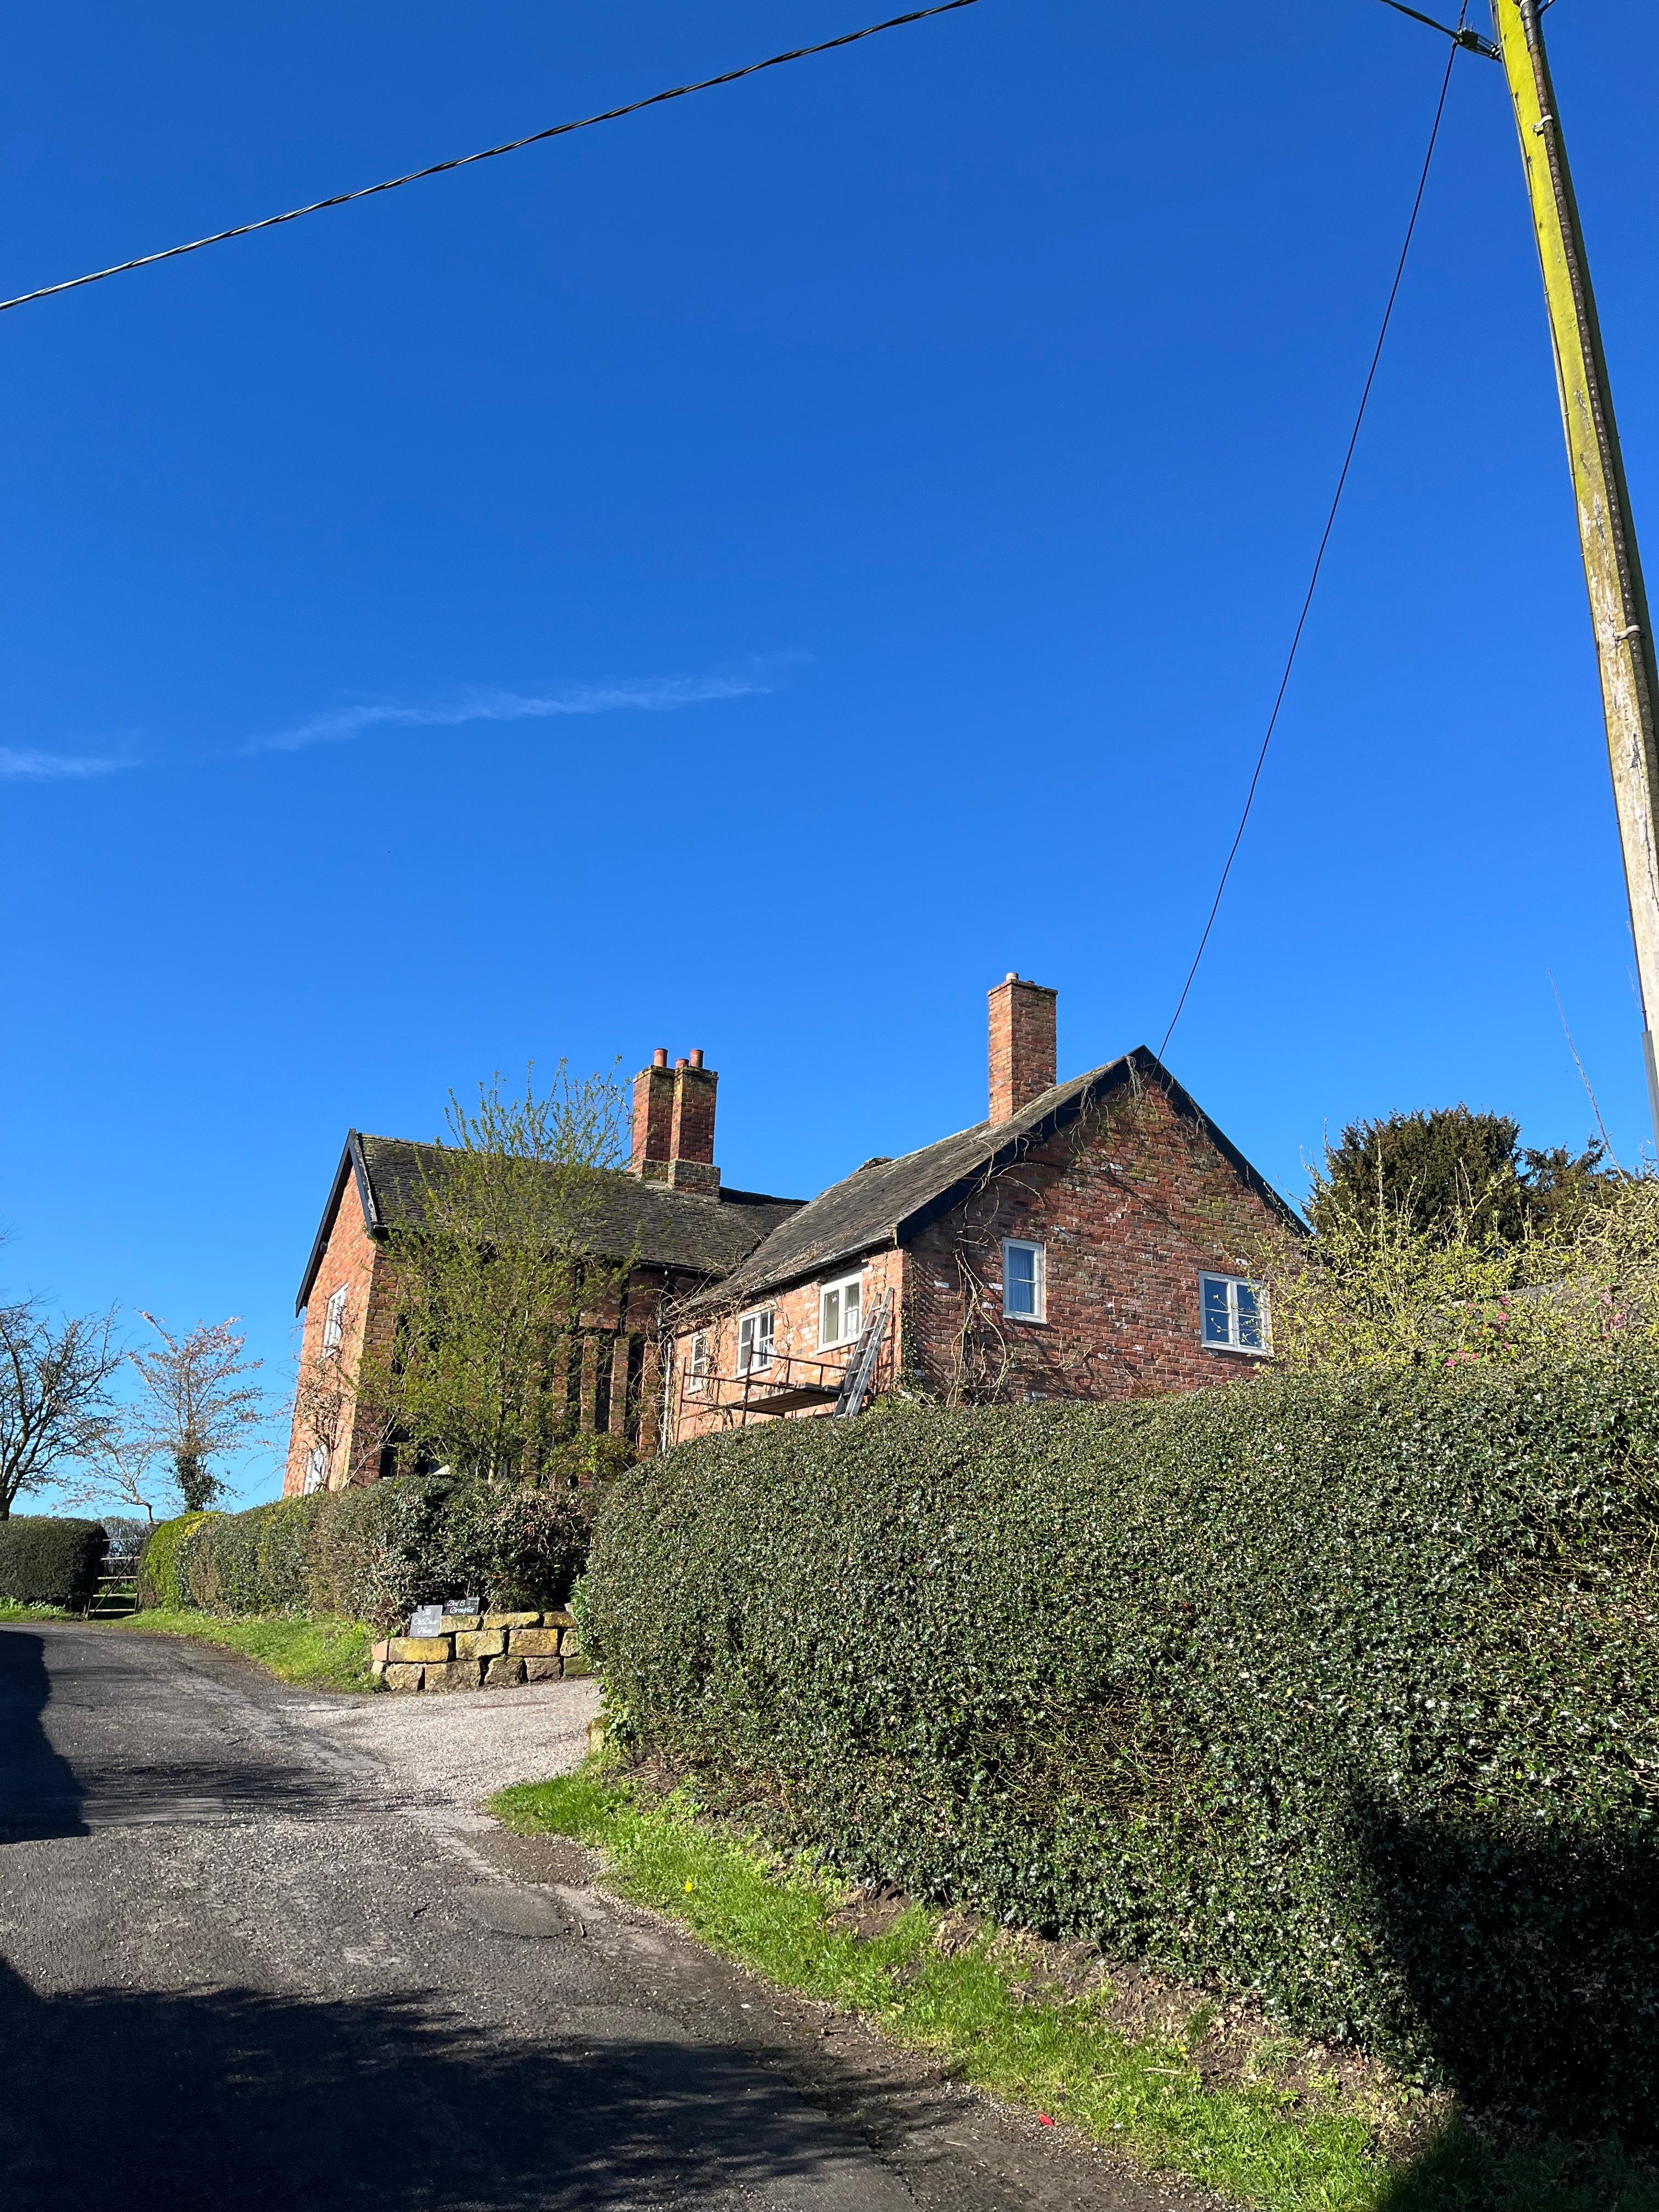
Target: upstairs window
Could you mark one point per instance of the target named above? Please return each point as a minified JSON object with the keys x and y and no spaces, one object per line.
{"x":316,"y":1469}
{"x":841,"y":1308}
{"x":334,"y":1320}
{"x":1024,"y":1280}
{"x":755,"y":1342}
{"x":696,"y":1365}
{"x":1235,"y":1314}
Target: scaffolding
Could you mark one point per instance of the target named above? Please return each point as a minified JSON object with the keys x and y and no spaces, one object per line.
{"x":778,"y":1383}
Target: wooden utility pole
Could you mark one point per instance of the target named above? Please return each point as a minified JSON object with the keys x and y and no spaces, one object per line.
{"x":1613,"y":568}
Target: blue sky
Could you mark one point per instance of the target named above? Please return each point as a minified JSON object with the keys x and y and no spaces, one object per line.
{"x":751,"y":575}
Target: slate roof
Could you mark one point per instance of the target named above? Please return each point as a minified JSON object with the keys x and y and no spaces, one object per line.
{"x":661,"y":1228}
{"x":887,"y":1202}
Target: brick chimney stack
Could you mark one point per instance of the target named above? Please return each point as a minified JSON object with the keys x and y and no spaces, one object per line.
{"x":653,"y":1111}
{"x":673,"y":1134}
{"x":1025,"y":1060}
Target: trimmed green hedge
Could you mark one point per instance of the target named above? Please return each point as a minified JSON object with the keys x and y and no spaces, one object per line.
{"x":158,"y":1562}
{"x":48,"y":1562}
{"x":1345,"y":1692}
{"x":374,"y":1552}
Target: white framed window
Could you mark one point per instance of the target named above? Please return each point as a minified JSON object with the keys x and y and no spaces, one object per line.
{"x":755,"y":1342}
{"x":1024,"y":1280}
{"x":334,"y":1320}
{"x":841,"y":1312}
{"x":696,"y":1365}
{"x":316,"y":1469}
{"x":1235,"y":1314}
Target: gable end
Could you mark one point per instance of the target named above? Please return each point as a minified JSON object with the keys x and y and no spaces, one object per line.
{"x":1137,"y":1071}
{"x":352,"y":1164}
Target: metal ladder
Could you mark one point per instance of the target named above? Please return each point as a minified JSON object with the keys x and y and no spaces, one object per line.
{"x":862,"y":1365}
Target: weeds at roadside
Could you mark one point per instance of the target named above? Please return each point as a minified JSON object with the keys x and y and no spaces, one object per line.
{"x":1285,"y":2133}
{"x":971,"y":2004}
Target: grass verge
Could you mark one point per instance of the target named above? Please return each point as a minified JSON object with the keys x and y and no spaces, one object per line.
{"x":973,"y":2004}
{"x":12,"y":1609}
{"x":316,"y":1651}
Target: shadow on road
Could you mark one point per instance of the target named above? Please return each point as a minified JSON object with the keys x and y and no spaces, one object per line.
{"x":40,"y":1795}
{"x":110,"y":1782}
{"x":232,"y":2098}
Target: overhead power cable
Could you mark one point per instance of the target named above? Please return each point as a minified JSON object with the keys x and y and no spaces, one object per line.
{"x":1330,"y":525}
{"x":489,"y":153}
{"x":1471,"y":41}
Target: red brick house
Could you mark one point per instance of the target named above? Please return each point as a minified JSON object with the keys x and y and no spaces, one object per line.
{"x":1099,"y":1238}
{"x":667,"y":1210}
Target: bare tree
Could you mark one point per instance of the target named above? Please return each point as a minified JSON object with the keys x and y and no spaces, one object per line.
{"x":122,"y":1465}
{"x":194,"y":1405}
{"x":54,"y":1394}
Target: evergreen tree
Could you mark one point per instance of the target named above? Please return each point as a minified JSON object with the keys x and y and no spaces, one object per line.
{"x":1448,"y":1172}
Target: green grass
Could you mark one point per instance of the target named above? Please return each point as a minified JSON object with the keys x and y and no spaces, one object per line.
{"x":1064,"y":2057}
{"x":318,"y":1651}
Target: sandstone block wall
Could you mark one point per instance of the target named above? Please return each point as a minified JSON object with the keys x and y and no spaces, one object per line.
{"x":488,"y":1651}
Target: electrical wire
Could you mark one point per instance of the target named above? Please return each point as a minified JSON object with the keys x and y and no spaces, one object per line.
{"x":1330,"y":525}
{"x":1471,"y":41}
{"x":489,"y":153}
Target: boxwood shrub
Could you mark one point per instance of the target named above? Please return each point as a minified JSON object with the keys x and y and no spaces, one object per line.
{"x":1346,"y":1692}
{"x":50,"y":1562}
{"x":374,"y":1552}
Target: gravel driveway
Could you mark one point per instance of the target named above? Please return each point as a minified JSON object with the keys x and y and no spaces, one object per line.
{"x":259,"y":1949}
{"x":449,"y":1752}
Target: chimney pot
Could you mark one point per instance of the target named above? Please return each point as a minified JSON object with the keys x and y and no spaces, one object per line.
{"x":679,"y":1063}
{"x":659,"y":1058}
{"x":1024,"y":1062}
{"x":697,"y":1057}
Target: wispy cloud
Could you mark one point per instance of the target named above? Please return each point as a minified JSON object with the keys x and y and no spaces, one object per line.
{"x":648,"y":695}
{"x":43,"y":767}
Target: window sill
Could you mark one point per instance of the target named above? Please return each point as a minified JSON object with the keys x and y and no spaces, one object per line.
{"x":1239,"y":1351}
{"x":1026,"y":1321}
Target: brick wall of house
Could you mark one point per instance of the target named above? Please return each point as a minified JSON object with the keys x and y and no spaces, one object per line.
{"x":795,"y":1341}
{"x":633,"y":1405}
{"x":609,"y":1377}
{"x":1130,"y":1204}
{"x":324,"y":1411}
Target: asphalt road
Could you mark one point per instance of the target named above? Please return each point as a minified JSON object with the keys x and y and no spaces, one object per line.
{"x":259,"y":1949}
